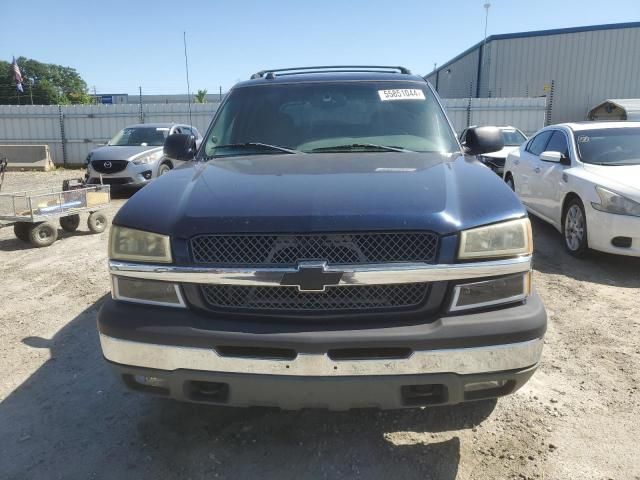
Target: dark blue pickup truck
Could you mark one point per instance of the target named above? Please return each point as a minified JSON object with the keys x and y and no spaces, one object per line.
{"x":330,"y":245}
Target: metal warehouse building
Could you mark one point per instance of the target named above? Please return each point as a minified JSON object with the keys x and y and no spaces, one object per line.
{"x":575,"y":68}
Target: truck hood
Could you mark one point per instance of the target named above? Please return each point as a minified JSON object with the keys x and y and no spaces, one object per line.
{"x":627,"y":175}
{"x":112,"y":152}
{"x":322,"y":193}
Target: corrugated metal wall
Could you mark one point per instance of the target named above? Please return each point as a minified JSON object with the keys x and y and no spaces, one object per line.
{"x":527,"y":114}
{"x":458,"y":79}
{"x":586,"y":67}
{"x":88,"y":126}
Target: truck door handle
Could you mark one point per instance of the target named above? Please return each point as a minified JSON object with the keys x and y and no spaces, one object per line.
{"x":537,"y":169}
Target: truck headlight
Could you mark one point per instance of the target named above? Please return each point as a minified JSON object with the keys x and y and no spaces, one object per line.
{"x":496,"y":291}
{"x":129,"y":244}
{"x":150,"y":292}
{"x":612,"y":202}
{"x":147,"y":158}
{"x":505,"y":239}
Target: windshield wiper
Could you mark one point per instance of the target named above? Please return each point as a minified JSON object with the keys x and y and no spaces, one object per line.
{"x":258,"y":145}
{"x":360,"y":146}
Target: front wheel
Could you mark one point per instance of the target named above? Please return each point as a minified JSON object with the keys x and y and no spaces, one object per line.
{"x":509,"y":181}
{"x":164,"y":168}
{"x":43,"y":234}
{"x":97,"y":222}
{"x":574,"y":229}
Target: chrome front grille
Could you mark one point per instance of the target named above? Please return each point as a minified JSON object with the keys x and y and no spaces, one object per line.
{"x":340,"y":298}
{"x":336,"y":249}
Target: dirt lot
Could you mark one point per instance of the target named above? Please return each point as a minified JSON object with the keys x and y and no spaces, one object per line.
{"x":63,"y":415}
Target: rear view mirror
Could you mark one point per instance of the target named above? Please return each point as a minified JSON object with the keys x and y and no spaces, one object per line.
{"x":479,"y":140}
{"x":180,"y":146}
{"x":555,"y":157}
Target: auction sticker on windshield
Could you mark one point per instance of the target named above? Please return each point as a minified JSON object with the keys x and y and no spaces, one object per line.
{"x":401,"y":94}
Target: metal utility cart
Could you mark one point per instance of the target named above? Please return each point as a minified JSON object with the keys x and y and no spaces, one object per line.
{"x":31,"y":212}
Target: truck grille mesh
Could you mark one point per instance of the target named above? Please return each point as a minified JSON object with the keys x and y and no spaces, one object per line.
{"x":337,"y":249}
{"x":351,"y":297}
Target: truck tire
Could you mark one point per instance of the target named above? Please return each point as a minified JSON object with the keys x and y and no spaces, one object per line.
{"x":43,"y":234}
{"x":97,"y":222}
{"x":21,"y":231}
{"x":70,"y":223}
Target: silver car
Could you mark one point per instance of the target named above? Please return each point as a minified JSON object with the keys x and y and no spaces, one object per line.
{"x":134,"y":156}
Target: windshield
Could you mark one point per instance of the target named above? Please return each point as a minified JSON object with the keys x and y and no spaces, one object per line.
{"x":609,"y":146}
{"x":329,"y":117}
{"x":513,"y":138}
{"x":136,"y":136}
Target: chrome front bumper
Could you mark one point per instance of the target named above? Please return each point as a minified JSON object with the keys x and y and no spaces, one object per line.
{"x":462,"y":361}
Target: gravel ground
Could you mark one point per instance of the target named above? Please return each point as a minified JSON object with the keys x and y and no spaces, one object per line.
{"x":63,"y":414}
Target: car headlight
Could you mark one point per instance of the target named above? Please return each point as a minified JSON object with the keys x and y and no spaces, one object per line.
{"x":129,"y":244}
{"x":612,"y":202}
{"x":88,"y":159}
{"x":147,"y":158}
{"x":504,"y":239}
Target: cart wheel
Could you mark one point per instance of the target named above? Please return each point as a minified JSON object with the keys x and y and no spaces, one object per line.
{"x":70,"y":223}
{"x":21,"y":231}
{"x":97,"y":222}
{"x":43,"y":234}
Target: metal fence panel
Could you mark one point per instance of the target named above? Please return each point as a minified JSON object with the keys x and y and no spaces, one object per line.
{"x":527,"y":114}
{"x":88,"y":126}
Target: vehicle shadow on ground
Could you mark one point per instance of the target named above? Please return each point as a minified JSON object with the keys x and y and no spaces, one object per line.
{"x":73,"y":419}
{"x":603,"y":268}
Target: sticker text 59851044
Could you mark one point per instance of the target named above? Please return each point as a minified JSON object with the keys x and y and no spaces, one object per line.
{"x":401,"y":94}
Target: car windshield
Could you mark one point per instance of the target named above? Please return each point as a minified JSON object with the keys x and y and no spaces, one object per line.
{"x":326,"y":117}
{"x":513,"y":138}
{"x":609,"y":146}
{"x":136,"y":136}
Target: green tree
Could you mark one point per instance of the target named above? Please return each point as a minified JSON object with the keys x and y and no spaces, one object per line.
{"x":47,"y":83}
{"x":201,"y":96}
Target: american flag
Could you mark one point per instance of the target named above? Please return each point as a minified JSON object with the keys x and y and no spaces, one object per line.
{"x":17,"y":76}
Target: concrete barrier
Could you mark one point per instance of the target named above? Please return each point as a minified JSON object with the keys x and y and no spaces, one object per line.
{"x":27,"y":157}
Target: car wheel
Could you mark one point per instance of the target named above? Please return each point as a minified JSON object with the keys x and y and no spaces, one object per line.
{"x":21,"y":231}
{"x":574,"y":229}
{"x":164,"y":168}
{"x":97,"y":222}
{"x":70,"y":223}
{"x":43,"y":234}
{"x":509,"y":181}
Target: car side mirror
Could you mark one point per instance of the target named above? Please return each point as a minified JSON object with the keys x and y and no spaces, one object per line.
{"x":479,"y":140}
{"x":180,"y":146}
{"x":555,"y":157}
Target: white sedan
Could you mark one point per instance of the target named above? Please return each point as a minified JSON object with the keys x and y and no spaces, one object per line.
{"x":584,"y":179}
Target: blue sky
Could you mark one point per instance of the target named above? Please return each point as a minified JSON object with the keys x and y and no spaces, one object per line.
{"x":118,"y":45}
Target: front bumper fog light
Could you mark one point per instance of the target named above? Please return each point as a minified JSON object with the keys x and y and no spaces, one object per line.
{"x":151,"y":381}
{"x":496,"y":291}
{"x":149,"y":292}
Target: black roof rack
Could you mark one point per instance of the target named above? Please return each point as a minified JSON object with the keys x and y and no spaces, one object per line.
{"x":271,"y":73}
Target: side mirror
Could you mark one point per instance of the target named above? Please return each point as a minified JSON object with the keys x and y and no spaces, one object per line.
{"x":180,"y":146}
{"x":555,"y":157}
{"x":479,"y":140}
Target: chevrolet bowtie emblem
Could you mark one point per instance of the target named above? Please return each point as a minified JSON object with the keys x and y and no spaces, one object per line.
{"x":311,"y":277}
